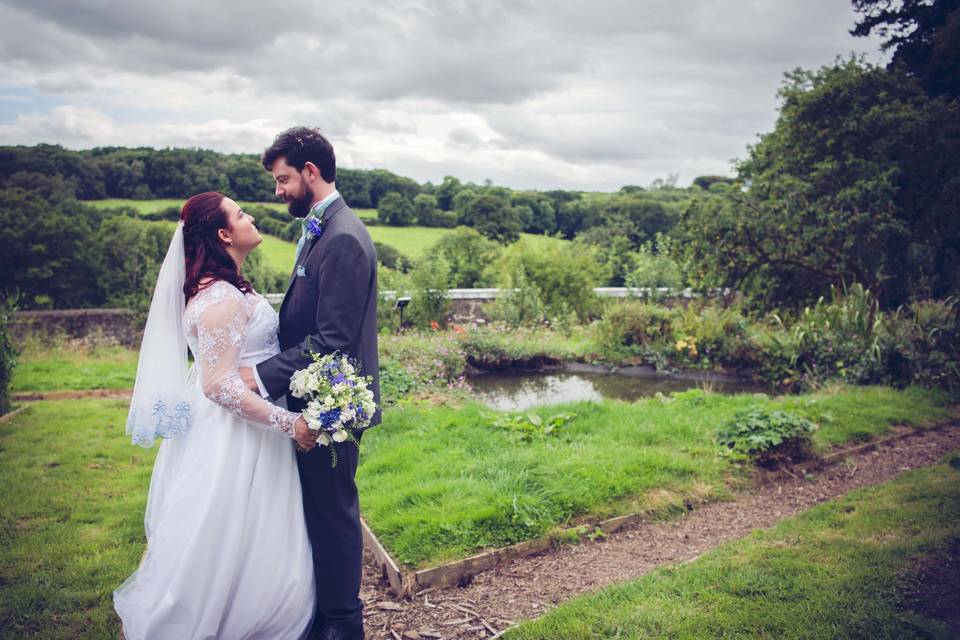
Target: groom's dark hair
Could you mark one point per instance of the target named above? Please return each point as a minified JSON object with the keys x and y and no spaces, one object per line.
{"x":299,"y":145}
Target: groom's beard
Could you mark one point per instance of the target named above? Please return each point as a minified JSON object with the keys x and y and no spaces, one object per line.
{"x":300,"y":207}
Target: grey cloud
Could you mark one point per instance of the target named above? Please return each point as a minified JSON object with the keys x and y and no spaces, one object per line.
{"x":214,"y":24}
{"x":464,"y":138}
{"x":610,"y":90}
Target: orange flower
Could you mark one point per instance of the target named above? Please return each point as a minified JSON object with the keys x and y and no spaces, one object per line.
{"x":434,"y":325}
{"x":458,"y":329}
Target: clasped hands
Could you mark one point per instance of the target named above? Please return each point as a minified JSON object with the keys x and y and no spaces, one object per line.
{"x":305,"y":438}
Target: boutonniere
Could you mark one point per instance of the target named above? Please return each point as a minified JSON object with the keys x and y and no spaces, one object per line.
{"x":314,"y":227}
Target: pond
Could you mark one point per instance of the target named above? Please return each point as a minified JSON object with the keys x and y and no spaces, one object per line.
{"x":515,"y":391}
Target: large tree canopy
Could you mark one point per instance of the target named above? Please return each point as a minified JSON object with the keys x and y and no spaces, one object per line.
{"x":924,"y":36}
{"x":858,"y":182}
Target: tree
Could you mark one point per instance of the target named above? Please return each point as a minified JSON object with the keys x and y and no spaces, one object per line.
{"x":490,"y":213}
{"x":468,"y":255}
{"x":395,"y":210}
{"x":537,"y":212}
{"x":840,"y":192}
{"x":924,"y":36}
{"x":705,"y":182}
{"x":51,"y":254}
{"x":446,"y":191}
{"x":425,"y":209}
{"x":576,"y":215}
{"x":383,"y":182}
{"x":248,"y":180}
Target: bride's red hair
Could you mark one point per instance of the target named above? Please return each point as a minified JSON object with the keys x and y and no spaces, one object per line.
{"x":205,"y":255}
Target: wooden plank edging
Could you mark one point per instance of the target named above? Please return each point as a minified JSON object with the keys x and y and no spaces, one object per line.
{"x":387,"y":565}
{"x":10,"y":416}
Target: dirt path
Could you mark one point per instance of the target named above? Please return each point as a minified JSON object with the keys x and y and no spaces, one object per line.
{"x":526,"y":588}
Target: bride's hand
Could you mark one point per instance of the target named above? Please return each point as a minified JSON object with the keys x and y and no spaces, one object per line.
{"x":306,"y":439}
{"x":246,"y":374}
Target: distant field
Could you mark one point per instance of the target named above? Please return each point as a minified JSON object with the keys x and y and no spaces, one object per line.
{"x":158,"y":204}
{"x":278,"y":254}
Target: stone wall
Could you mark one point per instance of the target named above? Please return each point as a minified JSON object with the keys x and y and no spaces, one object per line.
{"x":113,"y":326}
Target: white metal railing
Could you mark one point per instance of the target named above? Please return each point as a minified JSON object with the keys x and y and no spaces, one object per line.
{"x":605,"y":292}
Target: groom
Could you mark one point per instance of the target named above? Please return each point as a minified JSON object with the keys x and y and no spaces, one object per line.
{"x":330,"y":305}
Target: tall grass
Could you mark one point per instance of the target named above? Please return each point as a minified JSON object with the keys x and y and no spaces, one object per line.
{"x":440,"y":483}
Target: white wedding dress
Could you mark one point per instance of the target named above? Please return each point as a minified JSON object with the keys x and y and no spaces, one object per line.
{"x":227,"y":549}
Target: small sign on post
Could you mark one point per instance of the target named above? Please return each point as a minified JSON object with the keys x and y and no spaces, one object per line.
{"x":400,"y":304}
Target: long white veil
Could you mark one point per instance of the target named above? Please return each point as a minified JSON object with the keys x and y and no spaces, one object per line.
{"x":160,"y":406}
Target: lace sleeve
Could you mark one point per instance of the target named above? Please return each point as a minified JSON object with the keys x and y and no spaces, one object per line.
{"x":221,"y":332}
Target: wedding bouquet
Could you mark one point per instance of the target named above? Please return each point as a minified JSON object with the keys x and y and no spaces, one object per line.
{"x":338,"y":400}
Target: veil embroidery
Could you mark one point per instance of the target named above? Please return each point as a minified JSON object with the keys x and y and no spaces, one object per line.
{"x":160,"y":407}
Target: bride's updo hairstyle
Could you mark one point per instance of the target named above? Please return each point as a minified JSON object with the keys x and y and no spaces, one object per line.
{"x":205,"y":255}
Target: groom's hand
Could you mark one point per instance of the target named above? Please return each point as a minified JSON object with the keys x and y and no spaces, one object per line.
{"x":305,"y":438}
{"x":246,"y":374}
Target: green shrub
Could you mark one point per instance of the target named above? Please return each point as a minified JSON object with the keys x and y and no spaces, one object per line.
{"x":563,"y":276}
{"x":520,"y":304}
{"x":633,"y":324}
{"x":769,"y":437}
{"x":653,"y":266}
{"x":389,"y":256}
{"x":388,"y":318}
{"x":426,"y":285}
{"x":8,"y":355}
{"x":920,"y":344}
{"x":469,"y":256}
{"x":395,"y":381}
{"x":839,"y":339}
{"x":429,"y":281}
{"x":709,"y":334}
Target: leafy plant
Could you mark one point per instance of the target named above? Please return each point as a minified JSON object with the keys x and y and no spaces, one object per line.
{"x":633,"y":324}
{"x":8,"y":354}
{"x":530,"y":425}
{"x":769,"y":437}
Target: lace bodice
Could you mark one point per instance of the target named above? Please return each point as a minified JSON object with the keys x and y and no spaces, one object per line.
{"x":227,"y":329}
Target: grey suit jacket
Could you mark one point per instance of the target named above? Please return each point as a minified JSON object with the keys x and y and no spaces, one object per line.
{"x":330,"y":305}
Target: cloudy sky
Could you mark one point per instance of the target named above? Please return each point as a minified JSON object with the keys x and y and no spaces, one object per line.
{"x":529,"y":94}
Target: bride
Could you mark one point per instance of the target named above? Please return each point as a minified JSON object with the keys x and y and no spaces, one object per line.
{"x":227,"y":549}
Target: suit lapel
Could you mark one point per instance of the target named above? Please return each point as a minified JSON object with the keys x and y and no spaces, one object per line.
{"x":332,"y":208}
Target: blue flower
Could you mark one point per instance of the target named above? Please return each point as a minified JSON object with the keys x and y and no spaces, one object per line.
{"x":328,"y":418}
{"x":314,"y":227}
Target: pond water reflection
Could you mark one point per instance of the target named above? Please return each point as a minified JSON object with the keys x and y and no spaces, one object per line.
{"x":513,"y":391}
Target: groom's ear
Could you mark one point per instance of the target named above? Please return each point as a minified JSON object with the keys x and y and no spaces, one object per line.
{"x":312,"y":170}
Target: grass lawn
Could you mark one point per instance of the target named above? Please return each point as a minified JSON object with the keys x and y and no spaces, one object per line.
{"x":277,"y":254}
{"x":64,"y":366}
{"x":435,"y":482}
{"x":72,"y":497}
{"x":836,"y":571}
{"x":412,"y":242}
{"x":440,"y":483}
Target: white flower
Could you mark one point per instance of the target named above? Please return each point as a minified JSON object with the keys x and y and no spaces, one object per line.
{"x":299,"y":382}
{"x":339,"y":435}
